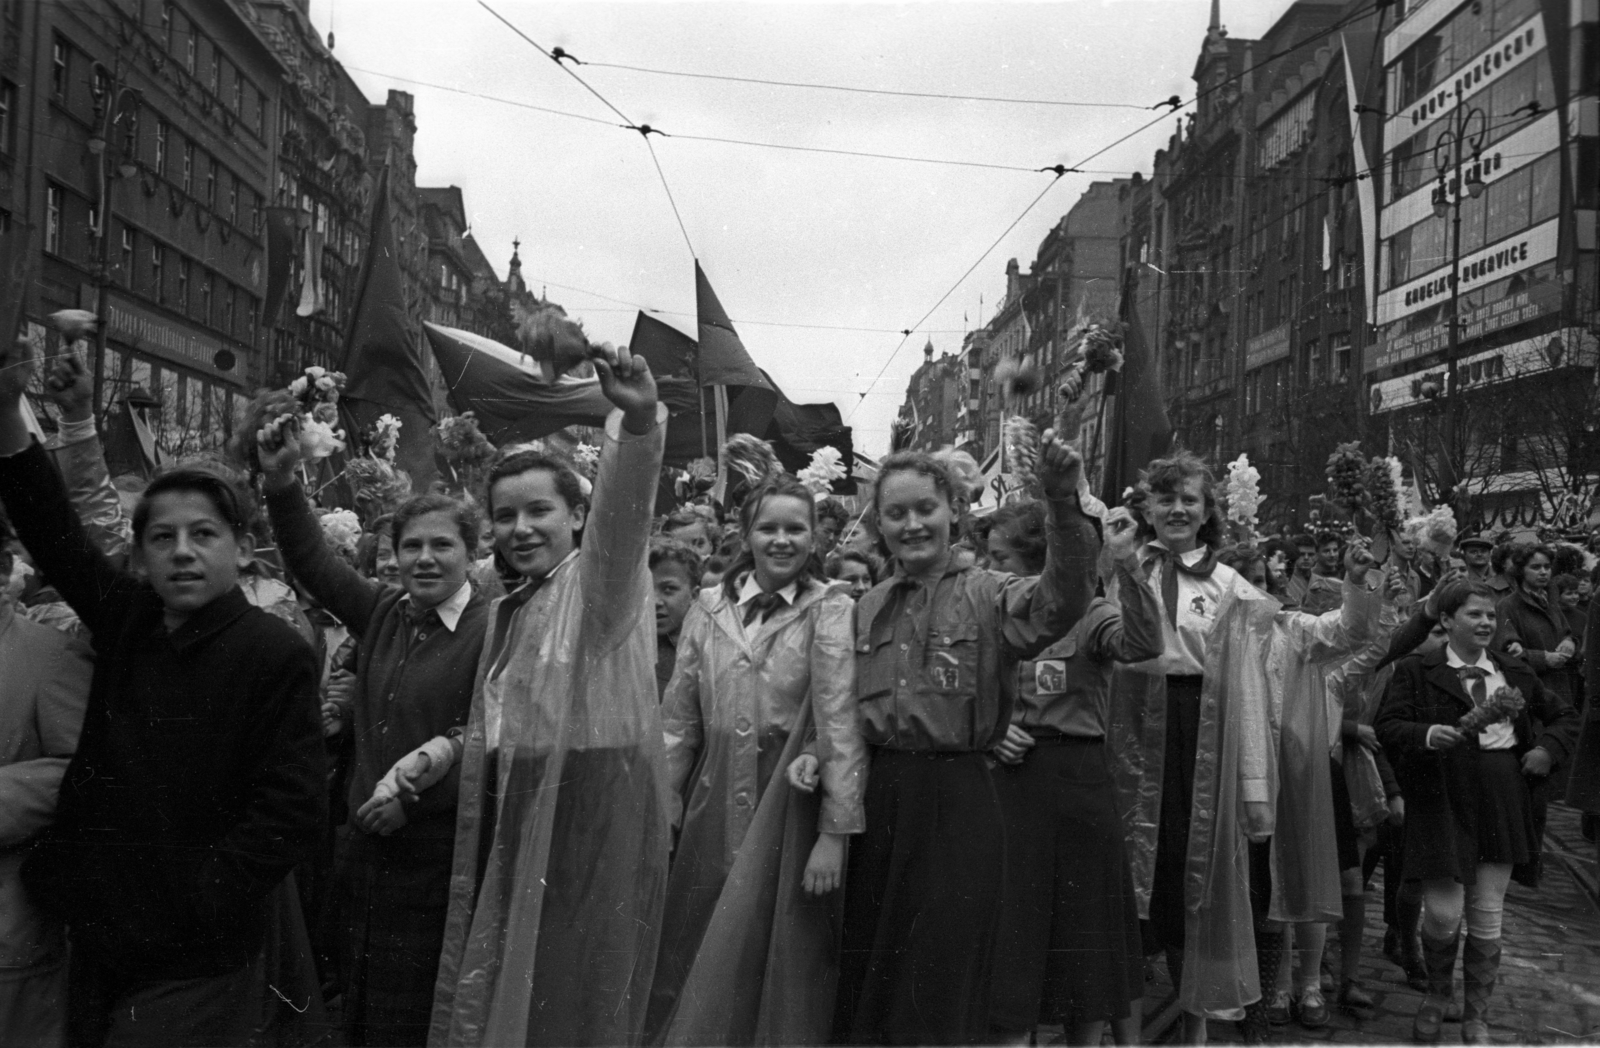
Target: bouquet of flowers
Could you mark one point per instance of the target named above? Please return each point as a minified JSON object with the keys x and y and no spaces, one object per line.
{"x":1016,"y":378}
{"x":1242,"y":495}
{"x":1385,"y":492}
{"x":1436,"y":530}
{"x":695,"y":479}
{"x":586,"y":460}
{"x":378,"y":487}
{"x":382,"y":438}
{"x":556,"y":343}
{"x":823,"y":469}
{"x":317,"y":394}
{"x":1102,"y":346}
{"x":467,"y":451}
{"x":1347,"y":477}
{"x":1504,"y":704}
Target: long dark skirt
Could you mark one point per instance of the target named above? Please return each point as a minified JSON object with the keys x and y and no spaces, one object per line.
{"x":1168,"y":917}
{"x":922,"y":901}
{"x":391,"y":896}
{"x":1068,"y":949}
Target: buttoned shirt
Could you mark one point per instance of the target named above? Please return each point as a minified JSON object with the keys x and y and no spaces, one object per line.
{"x":1501,"y":735}
{"x":1184,"y":645}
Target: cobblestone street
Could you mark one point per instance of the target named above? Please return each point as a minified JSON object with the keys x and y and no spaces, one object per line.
{"x":1549,"y":988}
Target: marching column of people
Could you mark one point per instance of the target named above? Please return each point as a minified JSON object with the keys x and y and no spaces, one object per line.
{"x":807,"y":779}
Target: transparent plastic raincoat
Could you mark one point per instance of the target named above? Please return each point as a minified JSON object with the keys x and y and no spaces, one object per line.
{"x":562,"y":834}
{"x":736,"y":697}
{"x":1255,"y":658}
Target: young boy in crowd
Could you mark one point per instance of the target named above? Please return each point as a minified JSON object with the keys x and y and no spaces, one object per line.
{"x":675,"y":569}
{"x":197,"y":783}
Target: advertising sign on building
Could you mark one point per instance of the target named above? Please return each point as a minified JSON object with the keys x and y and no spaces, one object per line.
{"x":1501,"y":259}
{"x":1541,"y":300}
{"x":1267,"y":347}
{"x":143,"y":330}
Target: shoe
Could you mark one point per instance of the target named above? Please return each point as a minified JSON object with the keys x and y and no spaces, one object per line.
{"x":1278,"y":1009}
{"x":1391,"y":948}
{"x":1352,"y":998}
{"x":1312,"y":1010}
{"x":1426,"y":1027}
{"x":1475,"y":1031}
{"x":1416,"y":974}
{"x":1254,"y":1028}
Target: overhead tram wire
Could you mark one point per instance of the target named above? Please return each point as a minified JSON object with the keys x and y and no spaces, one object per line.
{"x":906,"y":333}
{"x":562,"y":54}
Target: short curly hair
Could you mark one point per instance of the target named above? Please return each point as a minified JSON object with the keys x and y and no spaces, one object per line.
{"x":1518,"y":555}
{"x":1026,"y":529}
{"x":667,"y":551}
{"x":1163,"y":477}
{"x":224,"y":488}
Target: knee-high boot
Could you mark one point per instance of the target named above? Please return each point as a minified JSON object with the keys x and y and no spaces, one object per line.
{"x":1439,"y":956}
{"x":1480,"y":967}
{"x":1269,"y":953}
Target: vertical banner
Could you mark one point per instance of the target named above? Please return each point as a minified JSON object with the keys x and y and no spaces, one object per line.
{"x":1366,"y":188}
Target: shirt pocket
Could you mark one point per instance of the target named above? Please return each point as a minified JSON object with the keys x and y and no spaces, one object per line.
{"x":875,"y":665}
{"x":951,"y":663}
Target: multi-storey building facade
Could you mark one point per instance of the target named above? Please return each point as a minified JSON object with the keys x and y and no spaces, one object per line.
{"x":935,"y":398}
{"x":1487,"y":206}
{"x":137,"y":154}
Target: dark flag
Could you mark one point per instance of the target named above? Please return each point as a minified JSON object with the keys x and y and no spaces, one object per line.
{"x":723,"y":359}
{"x":672,"y":358}
{"x":383,"y":363}
{"x":280,"y":260}
{"x":505,"y":392}
{"x":1139,"y":430}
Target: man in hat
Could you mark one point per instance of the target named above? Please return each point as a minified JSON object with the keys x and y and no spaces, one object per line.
{"x":1474,"y":553}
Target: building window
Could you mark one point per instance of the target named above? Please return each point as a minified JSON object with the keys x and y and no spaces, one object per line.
{"x":191,"y":50}
{"x":1339,"y":346}
{"x":233,"y":201}
{"x":237,"y":104}
{"x":261,"y":115}
{"x":54,"y":200}
{"x":188,"y":167}
{"x":60,"y":69}
{"x":211,"y":184}
{"x":127,"y":256}
{"x":183,"y":284}
{"x":158,"y":265}
{"x":205,"y":298}
{"x":216,"y":71}
{"x":227,"y":310}
{"x":161,"y":148}
{"x":8,"y":108}
{"x":166,"y":26}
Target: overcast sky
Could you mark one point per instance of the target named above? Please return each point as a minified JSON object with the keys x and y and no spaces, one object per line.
{"x":786,"y":238}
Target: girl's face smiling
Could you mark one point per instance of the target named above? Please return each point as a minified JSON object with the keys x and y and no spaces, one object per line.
{"x":915,"y":517}
{"x":780,"y":540}
{"x":534,"y":526}
{"x":856,"y":575}
{"x":1177,"y":515}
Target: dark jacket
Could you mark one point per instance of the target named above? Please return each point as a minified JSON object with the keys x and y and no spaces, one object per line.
{"x":198,"y":779}
{"x":1583,"y":780}
{"x":1440,"y":786}
{"x":411,"y":683}
{"x":1540,"y":629}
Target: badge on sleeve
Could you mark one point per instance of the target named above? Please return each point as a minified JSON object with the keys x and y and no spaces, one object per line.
{"x":1050,"y":676}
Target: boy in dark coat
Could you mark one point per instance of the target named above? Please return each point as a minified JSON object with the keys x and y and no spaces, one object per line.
{"x":197,"y":784}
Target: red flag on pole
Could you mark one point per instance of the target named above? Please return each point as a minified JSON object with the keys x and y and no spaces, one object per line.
{"x":1139,"y":430}
{"x":383,"y":362}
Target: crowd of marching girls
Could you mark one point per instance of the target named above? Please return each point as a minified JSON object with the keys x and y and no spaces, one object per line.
{"x":534,"y":764}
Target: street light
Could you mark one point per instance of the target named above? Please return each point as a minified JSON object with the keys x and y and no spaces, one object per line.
{"x":112,"y":112}
{"x":1449,"y":155}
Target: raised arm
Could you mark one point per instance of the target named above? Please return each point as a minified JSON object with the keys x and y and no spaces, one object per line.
{"x":1136,"y":634}
{"x":336,"y":585}
{"x":1034,"y":612}
{"x":611,"y":562}
{"x":78,"y":454}
{"x":37,"y":502}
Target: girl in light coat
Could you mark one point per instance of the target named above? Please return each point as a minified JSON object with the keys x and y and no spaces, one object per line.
{"x":763,"y":658}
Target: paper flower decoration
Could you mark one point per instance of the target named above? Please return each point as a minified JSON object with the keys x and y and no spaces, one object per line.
{"x":1347,"y":477}
{"x":1437,"y":530}
{"x":341,"y":529}
{"x":74,"y":323}
{"x":1022,"y":455}
{"x":1102,"y":347}
{"x":823,"y":469}
{"x":318,"y":439}
{"x":1242,"y":494}
{"x":1505,"y":703}
{"x":1384,"y":490}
